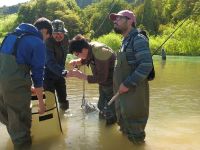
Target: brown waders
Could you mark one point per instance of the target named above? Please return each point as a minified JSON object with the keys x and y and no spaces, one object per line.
{"x":15,"y":96}
{"x":132,"y":108}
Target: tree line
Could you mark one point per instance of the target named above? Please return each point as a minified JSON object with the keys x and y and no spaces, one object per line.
{"x":154,"y":16}
{"x":151,"y":14}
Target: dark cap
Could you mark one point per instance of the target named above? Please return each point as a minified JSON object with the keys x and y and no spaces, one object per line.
{"x":58,"y":26}
{"x":126,"y":13}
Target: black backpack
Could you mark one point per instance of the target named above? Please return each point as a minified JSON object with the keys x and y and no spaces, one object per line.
{"x":151,"y":75}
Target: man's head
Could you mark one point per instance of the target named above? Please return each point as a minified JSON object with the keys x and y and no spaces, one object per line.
{"x":58,"y":30}
{"x":123,"y":21}
{"x":44,"y":26}
{"x":79,"y":46}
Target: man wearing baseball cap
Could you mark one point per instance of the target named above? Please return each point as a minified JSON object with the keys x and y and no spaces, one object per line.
{"x":134,"y":63}
{"x":57,"y":50}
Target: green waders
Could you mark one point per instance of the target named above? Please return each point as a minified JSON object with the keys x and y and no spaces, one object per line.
{"x":105,"y":91}
{"x":15,"y":96}
{"x":132,"y":108}
{"x":105,"y":94}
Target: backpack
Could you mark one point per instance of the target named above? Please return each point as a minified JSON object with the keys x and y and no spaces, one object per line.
{"x":19,"y":36}
{"x":151,"y":75}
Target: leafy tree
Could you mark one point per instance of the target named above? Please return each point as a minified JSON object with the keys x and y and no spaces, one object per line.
{"x":84,"y":3}
{"x":26,"y":13}
{"x":196,"y":10}
{"x":169,"y":8}
{"x":65,"y":10}
{"x":72,"y":22}
{"x":54,"y":6}
{"x":98,"y":13}
{"x":184,"y":9}
{"x":72,"y":5}
{"x":149,"y":18}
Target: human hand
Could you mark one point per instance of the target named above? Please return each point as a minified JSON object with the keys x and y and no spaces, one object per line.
{"x":33,"y":90}
{"x":70,"y":73}
{"x":123,"y":89}
{"x":42,"y":108}
{"x":74,"y":63}
{"x":77,"y":73}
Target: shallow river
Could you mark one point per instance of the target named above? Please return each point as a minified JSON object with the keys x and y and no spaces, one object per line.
{"x":174,"y":122}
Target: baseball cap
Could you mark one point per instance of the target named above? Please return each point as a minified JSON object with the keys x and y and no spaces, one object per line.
{"x":126,"y":13}
{"x":58,"y":26}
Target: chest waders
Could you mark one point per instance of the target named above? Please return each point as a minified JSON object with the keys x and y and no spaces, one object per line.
{"x":15,"y":96}
{"x":105,"y":91}
{"x":132,"y":108}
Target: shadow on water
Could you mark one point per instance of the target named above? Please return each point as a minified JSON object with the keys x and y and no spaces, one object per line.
{"x":174,"y":122}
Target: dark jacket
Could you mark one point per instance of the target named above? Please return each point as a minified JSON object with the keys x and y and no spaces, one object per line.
{"x":56,"y":54}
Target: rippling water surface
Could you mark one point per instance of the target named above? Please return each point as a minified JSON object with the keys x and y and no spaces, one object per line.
{"x":174,"y":122}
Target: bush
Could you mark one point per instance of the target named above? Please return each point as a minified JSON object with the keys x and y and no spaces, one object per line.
{"x":112,"y":40}
{"x":185,"y":41}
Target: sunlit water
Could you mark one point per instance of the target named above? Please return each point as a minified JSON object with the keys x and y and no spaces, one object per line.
{"x":174,"y":122}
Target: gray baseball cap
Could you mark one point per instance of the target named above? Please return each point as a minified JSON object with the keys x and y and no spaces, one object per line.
{"x":58,"y":26}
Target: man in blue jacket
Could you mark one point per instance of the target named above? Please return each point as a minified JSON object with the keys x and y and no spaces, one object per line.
{"x":22,"y":52}
{"x":57,"y":49}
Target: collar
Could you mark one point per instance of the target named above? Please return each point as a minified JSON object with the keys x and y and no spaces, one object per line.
{"x":133,"y":31}
{"x":90,"y":56}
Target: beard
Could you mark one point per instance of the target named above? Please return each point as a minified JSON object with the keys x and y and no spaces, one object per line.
{"x":117,"y":30}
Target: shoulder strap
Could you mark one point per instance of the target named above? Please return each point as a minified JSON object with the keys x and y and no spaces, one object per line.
{"x":4,"y":40}
{"x":19,"y":37}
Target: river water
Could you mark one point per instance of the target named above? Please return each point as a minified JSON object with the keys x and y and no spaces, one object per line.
{"x":174,"y":122}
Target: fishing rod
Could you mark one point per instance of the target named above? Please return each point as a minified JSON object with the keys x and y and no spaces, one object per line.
{"x":112,"y":6}
{"x":170,"y":36}
{"x":117,"y":94}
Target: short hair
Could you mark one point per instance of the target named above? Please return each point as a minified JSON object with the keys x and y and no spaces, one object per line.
{"x":78,"y":37}
{"x":44,"y":23}
{"x":76,"y":45}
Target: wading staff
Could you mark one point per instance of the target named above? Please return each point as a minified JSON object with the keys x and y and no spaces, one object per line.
{"x":113,"y":98}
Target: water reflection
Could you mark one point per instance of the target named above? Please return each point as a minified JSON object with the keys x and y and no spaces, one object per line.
{"x":174,"y":122}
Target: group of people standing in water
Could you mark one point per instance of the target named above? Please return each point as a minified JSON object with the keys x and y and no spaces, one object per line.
{"x":32,"y":50}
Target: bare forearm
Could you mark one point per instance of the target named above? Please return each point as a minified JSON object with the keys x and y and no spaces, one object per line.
{"x":39,"y":93}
